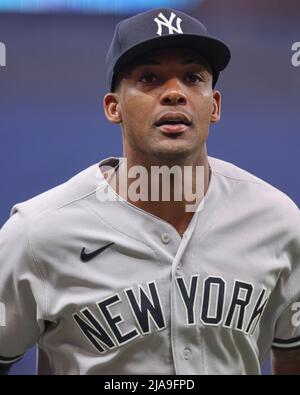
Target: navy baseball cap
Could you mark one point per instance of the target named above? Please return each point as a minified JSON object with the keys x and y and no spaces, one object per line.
{"x":162,"y":28}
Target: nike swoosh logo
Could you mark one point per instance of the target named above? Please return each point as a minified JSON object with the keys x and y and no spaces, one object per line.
{"x":87,"y":256}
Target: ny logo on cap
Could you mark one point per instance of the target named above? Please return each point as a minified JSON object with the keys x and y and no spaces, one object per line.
{"x":163,"y":21}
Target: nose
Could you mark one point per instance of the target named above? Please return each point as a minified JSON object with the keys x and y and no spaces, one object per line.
{"x":173,"y":94}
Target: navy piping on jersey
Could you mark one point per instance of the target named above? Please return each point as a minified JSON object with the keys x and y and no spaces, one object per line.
{"x":286,"y":344}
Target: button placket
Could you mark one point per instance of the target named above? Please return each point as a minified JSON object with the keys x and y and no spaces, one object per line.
{"x":181,"y":355}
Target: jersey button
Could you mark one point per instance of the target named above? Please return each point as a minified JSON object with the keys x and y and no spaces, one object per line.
{"x":178,"y":268}
{"x":165,"y":238}
{"x":187,"y":353}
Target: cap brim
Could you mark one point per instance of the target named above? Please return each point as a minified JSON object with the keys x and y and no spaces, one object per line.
{"x":214,"y":51}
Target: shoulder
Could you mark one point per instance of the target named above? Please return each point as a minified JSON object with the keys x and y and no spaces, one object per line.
{"x":257,"y":196}
{"x":248,"y":182}
{"x":73,"y":190}
{"x":42,"y":211}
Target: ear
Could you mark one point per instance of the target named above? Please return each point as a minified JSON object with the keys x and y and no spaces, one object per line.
{"x":112,"y":107}
{"x":216,"y":108}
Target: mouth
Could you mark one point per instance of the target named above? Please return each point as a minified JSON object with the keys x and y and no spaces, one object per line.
{"x":173,"y":123}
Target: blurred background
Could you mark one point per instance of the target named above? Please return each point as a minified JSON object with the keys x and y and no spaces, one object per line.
{"x":52,"y":123}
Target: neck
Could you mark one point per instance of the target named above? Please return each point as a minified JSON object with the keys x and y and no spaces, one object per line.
{"x":169,"y":189}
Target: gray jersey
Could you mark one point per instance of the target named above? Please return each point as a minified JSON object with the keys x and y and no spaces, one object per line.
{"x":104,"y":287}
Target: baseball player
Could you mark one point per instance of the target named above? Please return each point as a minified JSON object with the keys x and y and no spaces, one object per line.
{"x":107,"y":283}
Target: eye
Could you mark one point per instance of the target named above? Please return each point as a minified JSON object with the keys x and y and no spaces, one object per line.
{"x":194,"y":78}
{"x":148,"y":78}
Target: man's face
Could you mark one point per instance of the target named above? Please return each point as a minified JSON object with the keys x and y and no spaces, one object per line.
{"x":165,"y":104}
